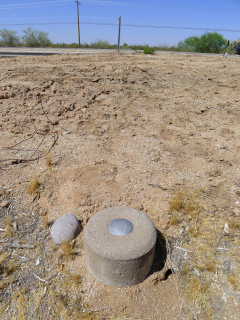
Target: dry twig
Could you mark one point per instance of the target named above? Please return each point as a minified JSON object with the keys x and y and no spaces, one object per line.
{"x":36,"y":131}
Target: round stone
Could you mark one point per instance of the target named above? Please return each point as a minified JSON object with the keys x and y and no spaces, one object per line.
{"x":65,"y":228}
{"x":119,"y":246}
{"x":120,"y":227}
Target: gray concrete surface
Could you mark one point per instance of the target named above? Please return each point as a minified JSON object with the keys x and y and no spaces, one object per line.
{"x":119,"y":260}
{"x":21,"y":51}
{"x":14,"y":52}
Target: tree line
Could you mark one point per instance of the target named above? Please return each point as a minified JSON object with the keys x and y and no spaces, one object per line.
{"x":31,"y":38}
{"x":209,"y":42}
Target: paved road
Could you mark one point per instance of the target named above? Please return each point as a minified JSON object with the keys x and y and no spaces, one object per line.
{"x":13,"y":52}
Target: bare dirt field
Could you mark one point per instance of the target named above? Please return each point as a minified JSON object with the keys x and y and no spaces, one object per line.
{"x":80,"y":133}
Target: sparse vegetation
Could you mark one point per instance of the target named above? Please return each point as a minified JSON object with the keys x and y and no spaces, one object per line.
{"x":33,"y":185}
{"x":48,"y":160}
{"x":36,"y":38}
{"x":201,"y":236}
{"x":52,"y":295}
{"x":68,"y":250}
{"x":184,"y":204}
{"x":200,"y":226}
{"x":8,"y":227}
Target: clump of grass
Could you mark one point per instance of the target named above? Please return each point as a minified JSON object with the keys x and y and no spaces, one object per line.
{"x":75,"y":279}
{"x":68,"y":250}
{"x":46,"y":221}
{"x":8,"y":227}
{"x":33,"y":185}
{"x":48,"y":160}
{"x":7,"y":267}
{"x":182,"y":204}
{"x":234,"y":223}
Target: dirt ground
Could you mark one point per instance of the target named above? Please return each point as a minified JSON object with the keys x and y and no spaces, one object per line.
{"x":102,"y":130}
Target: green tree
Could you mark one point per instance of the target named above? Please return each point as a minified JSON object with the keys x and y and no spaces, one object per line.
{"x":212,"y":42}
{"x":35,"y":38}
{"x":188,"y":44}
{"x":209,"y":42}
{"x":9,"y":38}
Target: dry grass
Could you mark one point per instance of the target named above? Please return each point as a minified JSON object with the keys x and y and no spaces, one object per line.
{"x":68,"y":250}
{"x":8,"y":227}
{"x":48,"y":160}
{"x":55,"y":290}
{"x":202,"y":234}
{"x":33,"y":185}
{"x":21,"y":304}
{"x":3,"y":257}
{"x":46,"y":221}
{"x":234,"y":223}
{"x":184,"y":204}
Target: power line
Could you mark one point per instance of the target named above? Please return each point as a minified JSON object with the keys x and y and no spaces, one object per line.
{"x":36,"y":18}
{"x":115,"y":24}
{"x":179,"y":28}
{"x":52,"y":23}
{"x":63,"y":2}
{"x":10,"y":6}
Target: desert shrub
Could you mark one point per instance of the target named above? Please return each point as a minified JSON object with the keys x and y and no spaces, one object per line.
{"x":189,"y":44}
{"x":209,"y":42}
{"x":100,"y":44}
{"x":35,"y":38}
{"x":149,"y":50}
{"x":9,"y":38}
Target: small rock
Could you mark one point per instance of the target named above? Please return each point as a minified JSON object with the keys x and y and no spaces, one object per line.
{"x":65,"y":228}
{"x":95,"y":79}
{"x":5,"y":203}
{"x":226,"y":228}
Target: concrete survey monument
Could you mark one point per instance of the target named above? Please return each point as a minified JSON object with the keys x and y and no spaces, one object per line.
{"x":119,"y":246}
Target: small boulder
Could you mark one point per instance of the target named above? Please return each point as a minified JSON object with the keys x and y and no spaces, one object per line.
{"x":65,"y":228}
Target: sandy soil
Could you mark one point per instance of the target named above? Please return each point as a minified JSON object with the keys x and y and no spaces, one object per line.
{"x":123,"y":129}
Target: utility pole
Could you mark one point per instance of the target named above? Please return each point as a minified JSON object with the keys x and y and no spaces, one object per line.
{"x":119,"y":31}
{"x":78,"y":22}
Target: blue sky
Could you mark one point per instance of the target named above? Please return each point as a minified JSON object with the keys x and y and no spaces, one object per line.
{"x":205,"y":14}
